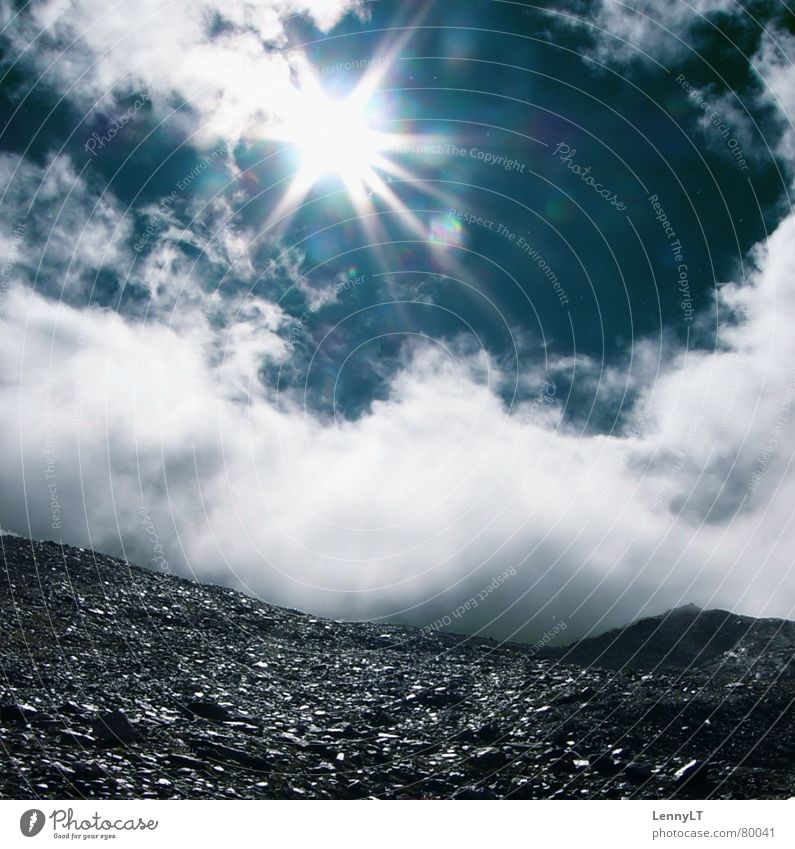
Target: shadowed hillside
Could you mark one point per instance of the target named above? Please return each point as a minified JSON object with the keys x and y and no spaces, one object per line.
{"x":119,"y":682}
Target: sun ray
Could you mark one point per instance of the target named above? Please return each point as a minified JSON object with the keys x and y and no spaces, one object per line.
{"x":339,"y":139}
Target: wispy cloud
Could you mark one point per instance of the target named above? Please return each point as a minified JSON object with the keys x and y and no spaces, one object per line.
{"x":624,"y":30}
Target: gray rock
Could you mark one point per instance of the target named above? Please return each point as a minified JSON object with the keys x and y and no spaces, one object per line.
{"x":489,"y":758}
{"x":228,"y":754}
{"x":19,"y":713}
{"x":114,"y":727}
{"x":208,"y":710}
{"x":693,"y":780}
{"x":637,"y":772}
{"x":76,"y":738}
{"x":185,"y":762}
{"x":89,"y":771}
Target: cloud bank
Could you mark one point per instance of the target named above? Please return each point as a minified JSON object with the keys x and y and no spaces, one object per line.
{"x":421,"y":502}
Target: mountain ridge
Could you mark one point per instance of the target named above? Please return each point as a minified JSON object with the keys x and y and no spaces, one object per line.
{"x":119,"y":682}
{"x":686,"y":637}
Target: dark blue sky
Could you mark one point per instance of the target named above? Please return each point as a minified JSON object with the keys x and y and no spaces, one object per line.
{"x":497,"y":80}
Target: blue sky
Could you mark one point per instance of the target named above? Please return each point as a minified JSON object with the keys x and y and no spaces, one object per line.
{"x":363,"y":304}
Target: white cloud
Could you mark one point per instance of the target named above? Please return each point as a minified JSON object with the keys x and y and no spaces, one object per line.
{"x":93,"y":51}
{"x":774,"y":63}
{"x":77,"y":232}
{"x":636,"y":28}
{"x":421,"y":502}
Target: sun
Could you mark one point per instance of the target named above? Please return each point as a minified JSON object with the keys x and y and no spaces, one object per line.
{"x":342,"y":144}
{"x":332,"y":138}
{"x":334,"y":141}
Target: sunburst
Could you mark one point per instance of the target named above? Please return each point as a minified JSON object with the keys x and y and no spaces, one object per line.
{"x":341,"y":141}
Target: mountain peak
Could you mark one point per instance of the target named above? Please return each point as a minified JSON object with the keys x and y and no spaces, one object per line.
{"x":687,"y":608}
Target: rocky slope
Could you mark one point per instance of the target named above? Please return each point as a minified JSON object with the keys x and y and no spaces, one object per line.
{"x":118,"y":682}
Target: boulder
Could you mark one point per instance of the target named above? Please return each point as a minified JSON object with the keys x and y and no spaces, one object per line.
{"x":114,"y":728}
{"x":637,"y":772}
{"x":693,"y":780}
{"x":17,"y":713}
{"x":216,"y":752}
{"x":490,"y":758}
{"x":208,"y":710}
